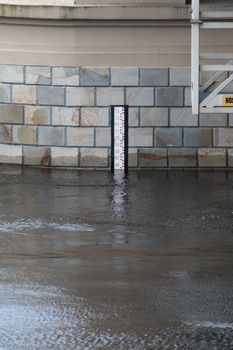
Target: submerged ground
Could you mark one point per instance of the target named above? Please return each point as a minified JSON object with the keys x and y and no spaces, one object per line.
{"x":90,"y":261}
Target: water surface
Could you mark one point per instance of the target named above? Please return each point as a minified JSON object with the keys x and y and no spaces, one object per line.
{"x":91,"y":261}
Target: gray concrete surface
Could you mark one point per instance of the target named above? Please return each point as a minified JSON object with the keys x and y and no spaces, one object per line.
{"x":88,"y":261}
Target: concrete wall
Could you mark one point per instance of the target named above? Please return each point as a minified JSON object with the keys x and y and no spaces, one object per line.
{"x":59,"y":116}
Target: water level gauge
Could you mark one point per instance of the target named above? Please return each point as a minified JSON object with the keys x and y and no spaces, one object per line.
{"x":119,"y":149}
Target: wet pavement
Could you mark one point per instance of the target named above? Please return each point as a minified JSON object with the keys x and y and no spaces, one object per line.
{"x":91,"y":261}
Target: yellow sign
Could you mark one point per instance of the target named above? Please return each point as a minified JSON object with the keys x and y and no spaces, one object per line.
{"x":227,"y":101}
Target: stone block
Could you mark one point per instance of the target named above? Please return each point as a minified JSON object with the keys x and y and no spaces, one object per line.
{"x":140,"y":96}
{"x":80,"y":96}
{"x":152,"y":158}
{"x":24,"y":94}
{"x":11,"y":114}
{"x":91,"y":76}
{"x":24,"y":134}
{"x":128,"y":76}
{"x":140,"y":137}
{"x":38,"y":75}
{"x":169,"y":97}
{"x":153,"y":76}
{"x":50,"y":95}
{"x":133,"y":157}
{"x":187,"y":97}
{"x":212,"y":157}
{"x":94,"y":116}
{"x":182,"y":157}
{"x":103,"y":137}
{"x":180,"y":77}
{"x":183,"y":117}
{"x":36,"y":155}
{"x":230,"y":119}
{"x":133,"y":116}
{"x":5,"y":133}
{"x":223,"y":137}
{"x":5,"y":93}
{"x":230,"y":157}
{"x":194,"y":137}
{"x":65,"y":116}
{"x":213,"y":119}
{"x":37,"y":115}
{"x":94,"y":157}
{"x":80,"y":136}
{"x":65,"y":157}
{"x":110,"y":96}
{"x":11,"y":74}
{"x":154,"y":117}
{"x":168,"y":137}
{"x":11,"y":154}
{"x":51,"y":136}
{"x":65,"y":76}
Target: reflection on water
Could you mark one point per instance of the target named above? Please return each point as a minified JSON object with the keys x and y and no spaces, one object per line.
{"x":91,"y":261}
{"x":119,"y":194}
{"x":37,"y":224}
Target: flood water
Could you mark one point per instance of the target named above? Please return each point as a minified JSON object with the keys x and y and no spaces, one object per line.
{"x":91,"y":261}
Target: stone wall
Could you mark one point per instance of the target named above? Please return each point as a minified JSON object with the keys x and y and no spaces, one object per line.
{"x":60,"y":116}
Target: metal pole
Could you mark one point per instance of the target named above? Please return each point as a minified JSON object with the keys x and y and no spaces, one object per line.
{"x":195,"y":46}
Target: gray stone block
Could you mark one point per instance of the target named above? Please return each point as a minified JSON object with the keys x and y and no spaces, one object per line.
{"x":80,"y":136}
{"x":166,"y":137}
{"x":80,"y":96}
{"x":152,"y":158}
{"x":50,"y":95}
{"x":169,"y":97}
{"x":194,"y":137}
{"x":91,"y":76}
{"x":125,"y":76}
{"x":11,"y":154}
{"x":180,"y":77}
{"x":94,"y":157}
{"x":183,"y":117}
{"x":65,"y":76}
{"x":230,"y":157}
{"x":154,"y":116}
{"x":103,"y":137}
{"x":5,"y":93}
{"x":212,"y":157}
{"x":182,"y":157}
{"x":94,"y":116}
{"x":140,"y":96}
{"x":140,"y":137}
{"x":65,"y":116}
{"x":38,"y":75}
{"x":51,"y":135}
{"x":133,"y":157}
{"x":213,"y":119}
{"x":153,"y":76}
{"x":133,"y":116}
{"x":11,"y":74}
{"x":230,"y":119}
{"x":34,"y":155}
{"x":223,"y":137}
{"x":187,"y":97}
{"x":11,"y":114}
{"x":24,"y":134}
{"x":65,"y":157}
{"x":37,"y":115}
{"x":110,"y":96}
{"x":24,"y":94}
{"x":5,"y":133}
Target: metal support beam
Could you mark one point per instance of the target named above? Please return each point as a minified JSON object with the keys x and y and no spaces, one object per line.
{"x":195,"y":55}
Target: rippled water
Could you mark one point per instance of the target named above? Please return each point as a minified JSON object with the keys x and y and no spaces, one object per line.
{"x":91,"y":261}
